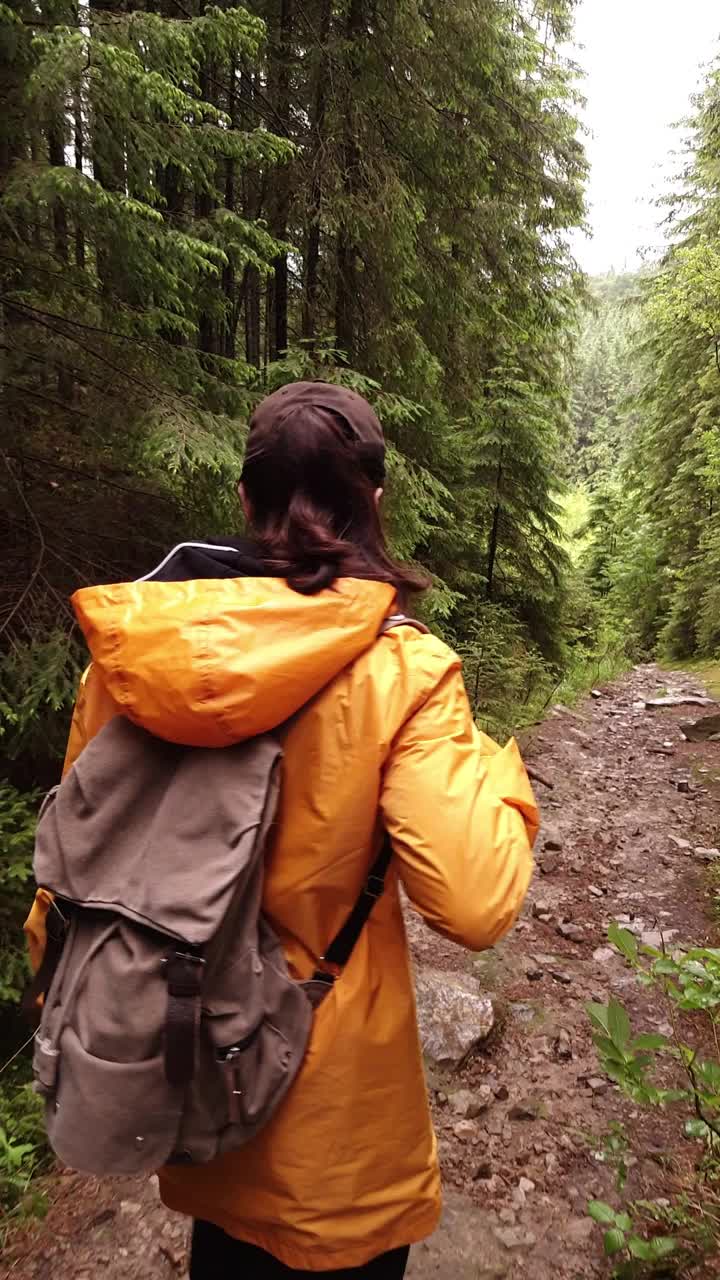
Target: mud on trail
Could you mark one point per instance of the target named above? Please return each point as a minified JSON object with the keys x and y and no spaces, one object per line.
{"x":632,"y":802}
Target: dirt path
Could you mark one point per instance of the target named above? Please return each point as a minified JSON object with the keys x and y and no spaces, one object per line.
{"x":518,"y":1177}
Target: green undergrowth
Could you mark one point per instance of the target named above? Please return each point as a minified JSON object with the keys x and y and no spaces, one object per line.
{"x":24,"y":1153}
{"x":676,"y":1070}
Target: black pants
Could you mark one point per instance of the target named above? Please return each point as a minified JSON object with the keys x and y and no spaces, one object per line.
{"x":217,"y":1256}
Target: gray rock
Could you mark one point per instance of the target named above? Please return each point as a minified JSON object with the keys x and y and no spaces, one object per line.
{"x":703,"y":729}
{"x":679,"y":700}
{"x":595,"y":891}
{"x":466,"y":1130}
{"x":563,"y":1046}
{"x":561,"y":975}
{"x":452,"y":1015}
{"x":578,"y":1230}
{"x":657,"y":937}
{"x":679,"y":843}
{"x":598,"y":1084}
{"x":707,"y":855}
{"x":549,"y":863}
{"x":573,"y":932}
{"x":515,"y":1237}
{"x":527,"y":1109}
{"x":603,"y":954}
{"x":595,"y":693}
{"x":470,"y":1103}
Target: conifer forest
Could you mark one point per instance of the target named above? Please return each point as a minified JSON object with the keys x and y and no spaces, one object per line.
{"x":201,"y":202}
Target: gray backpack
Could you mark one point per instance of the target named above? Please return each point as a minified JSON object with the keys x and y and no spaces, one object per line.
{"x":171,"y":1029}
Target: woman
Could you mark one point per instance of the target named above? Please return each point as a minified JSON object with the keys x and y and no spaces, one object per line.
{"x":222,"y":640}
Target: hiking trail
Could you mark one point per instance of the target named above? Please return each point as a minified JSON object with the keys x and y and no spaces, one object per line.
{"x":632,"y":803}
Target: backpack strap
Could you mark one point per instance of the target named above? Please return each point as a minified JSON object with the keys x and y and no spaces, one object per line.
{"x":56,"y":927}
{"x":343,"y":944}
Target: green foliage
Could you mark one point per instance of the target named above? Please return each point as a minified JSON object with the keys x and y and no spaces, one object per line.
{"x":675,"y":1070}
{"x":18,"y":813}
{"x":23,"y":1152}
{"x":647,"y":404}
{"x":619,"y":1238}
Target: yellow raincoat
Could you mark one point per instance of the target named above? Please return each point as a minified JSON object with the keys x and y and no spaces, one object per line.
{"x":347,"y":1168}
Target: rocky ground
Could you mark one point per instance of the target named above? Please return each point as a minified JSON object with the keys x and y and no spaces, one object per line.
{"x":629,"y":832}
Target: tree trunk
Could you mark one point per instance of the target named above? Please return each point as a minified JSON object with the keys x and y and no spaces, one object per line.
{"x":228,"y":278}
{"x":251,"y":289}
{"x":78,"y":139}
{"x":312,"y":238}
{"x":494,"y":535}
{"x":279,"y":89}
{"x":56,"y":156}
{"x":346,"y":257}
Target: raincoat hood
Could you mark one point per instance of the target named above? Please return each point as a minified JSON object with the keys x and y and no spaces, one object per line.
{"x":208,"y":661}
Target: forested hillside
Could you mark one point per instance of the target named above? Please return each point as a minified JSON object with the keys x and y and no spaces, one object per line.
{"x":646,"y":405}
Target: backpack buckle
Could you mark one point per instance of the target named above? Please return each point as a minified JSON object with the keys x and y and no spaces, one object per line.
{"x":374,"y":886}
{"x":184,"y":974}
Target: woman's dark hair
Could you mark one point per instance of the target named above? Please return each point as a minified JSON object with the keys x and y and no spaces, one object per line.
{"x":311,"y":505}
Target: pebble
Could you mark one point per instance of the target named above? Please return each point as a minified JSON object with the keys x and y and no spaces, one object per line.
{"x":516,"y":1237}
{"x":598,"y":1084}
{"x":561,"y":975}
{"x":578,"y":1230}
{"x":549,"y":863}
{"x":595,"y":891}
{"x":572,"y":932}
{"x":707,"y":855}
{"x":527,"y":1109}
{"x":466,"y":1130}
{"x":603,"y":954}
{"x":469,"y":1104}
{"x":563,"y":1046}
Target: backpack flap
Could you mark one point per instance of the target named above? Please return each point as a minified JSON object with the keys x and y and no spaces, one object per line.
{"x":155,"y":832}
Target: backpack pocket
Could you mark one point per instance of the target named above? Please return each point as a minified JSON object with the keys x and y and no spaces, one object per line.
{"x":111,"y":1117}
{"x":257,"y":1074}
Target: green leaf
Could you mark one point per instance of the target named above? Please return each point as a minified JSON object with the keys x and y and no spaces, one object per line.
{"x":613,"y":1241}
{"x":662,"y":1246}
{"x":618,"y":1023}
{"x":598,"y":1015}
{"x":624,"y":941}
{"x":651,"y":1041}
{"x":601,"y":1212}
{"x":624,"y":1221}
{"x":640,"y":1248}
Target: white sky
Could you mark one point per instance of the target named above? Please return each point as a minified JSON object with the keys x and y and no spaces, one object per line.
{"x":643,"y":59}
